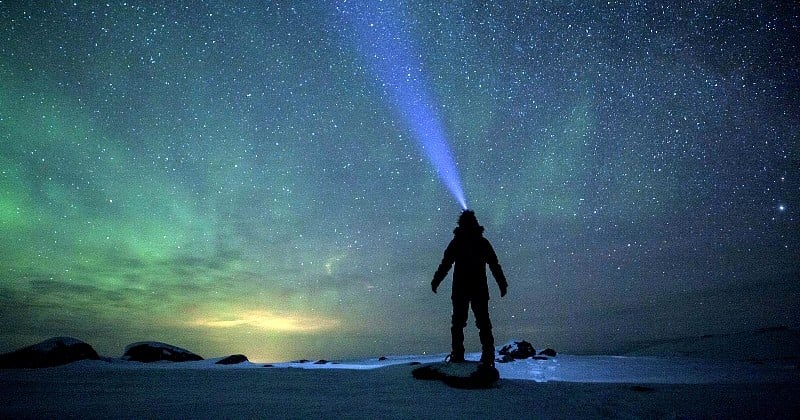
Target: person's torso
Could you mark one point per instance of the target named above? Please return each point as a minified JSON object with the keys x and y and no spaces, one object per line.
{"x":469,"y":271}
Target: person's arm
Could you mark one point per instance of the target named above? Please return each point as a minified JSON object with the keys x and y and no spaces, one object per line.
{"x":497,"y":271}
{"x":444,"y":267}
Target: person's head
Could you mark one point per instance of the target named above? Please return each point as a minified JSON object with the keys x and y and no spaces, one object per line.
{"x":467,"y":220}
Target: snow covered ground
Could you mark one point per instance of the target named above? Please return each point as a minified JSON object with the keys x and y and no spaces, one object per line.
{"x":561,"y":387}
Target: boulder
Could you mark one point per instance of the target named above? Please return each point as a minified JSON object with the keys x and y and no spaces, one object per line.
{"x":548,"y":352}
{"x":154,"y":351}
{"x":505,"y":359}
{"x":463,"y":375}
{"x":518,"y":350}
{"x":233,"y":359}
{"x":52,"y":352}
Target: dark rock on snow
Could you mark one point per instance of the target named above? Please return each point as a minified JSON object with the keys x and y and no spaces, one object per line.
{"x":518,"y":350}
{"x":52,"y":352}
{"x":467,"y":375}
{"x":233,"y":359}
{"x":153,"y":351}
{"x":505,"y":359}
{"x":548,"y":352}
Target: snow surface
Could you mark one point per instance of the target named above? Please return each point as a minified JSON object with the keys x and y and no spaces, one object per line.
{"x":734,"y":383}
{"x":563,"y":368}
{"x":564,"y":386}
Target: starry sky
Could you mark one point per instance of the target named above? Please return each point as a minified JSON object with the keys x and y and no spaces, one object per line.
{"x":245,"y":177}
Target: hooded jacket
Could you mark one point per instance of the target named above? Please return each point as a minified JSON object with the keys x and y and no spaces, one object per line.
{"x":470,"y":252}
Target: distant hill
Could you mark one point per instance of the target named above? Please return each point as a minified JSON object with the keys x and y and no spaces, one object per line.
{"x":775,"y":343}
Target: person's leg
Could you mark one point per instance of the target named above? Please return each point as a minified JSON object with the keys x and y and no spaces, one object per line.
{"x":480,"y":308}
{"x":459,"y":321}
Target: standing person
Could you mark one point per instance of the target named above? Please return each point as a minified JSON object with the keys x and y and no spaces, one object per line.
{"x":470,"y":252}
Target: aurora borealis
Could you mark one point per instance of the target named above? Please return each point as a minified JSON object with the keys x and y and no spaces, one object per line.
{"x":230,"y":177}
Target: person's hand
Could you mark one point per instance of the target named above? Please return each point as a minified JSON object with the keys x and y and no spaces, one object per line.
{"x":503,"y":291}
{"x":433,"y":287}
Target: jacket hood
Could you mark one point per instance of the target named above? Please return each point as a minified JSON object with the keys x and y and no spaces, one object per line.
{"x":468,"y":224}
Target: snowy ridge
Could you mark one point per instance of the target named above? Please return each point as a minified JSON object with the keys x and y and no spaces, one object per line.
{"x":53,"y":343}
{"x":777,"y":343}
{"x":726,"y":359}
{"x":563,"y":368}
{"x":156,"y":344}
{"x":761,"y":356}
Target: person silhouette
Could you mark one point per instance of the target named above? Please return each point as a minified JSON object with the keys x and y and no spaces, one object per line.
{"x":470,"y":252}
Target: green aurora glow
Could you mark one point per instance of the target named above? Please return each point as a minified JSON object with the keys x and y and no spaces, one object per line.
{"x":226,"y":177}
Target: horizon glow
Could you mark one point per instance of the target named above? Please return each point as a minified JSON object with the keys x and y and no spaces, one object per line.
{"x":396,"y":63}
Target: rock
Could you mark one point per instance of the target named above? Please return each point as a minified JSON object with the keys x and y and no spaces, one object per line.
{"x":301,"y":361}
{"x":464,"y":375}
{"x":154,"y":351}
{"x":233,"y":359}
{"x":484,"y":377}
{"x":505,"y":359}
{"x":55,"y":351}
{"x":321,"y":362}
{"x":548,"y":352}
{"x":382,"y":358}
{"x":518,"y":350}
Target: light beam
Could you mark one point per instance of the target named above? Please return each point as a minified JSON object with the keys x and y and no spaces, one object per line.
{"x":387,"y":46}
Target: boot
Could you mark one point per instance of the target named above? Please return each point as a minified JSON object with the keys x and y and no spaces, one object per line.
{"x":487,"y":356}
{"x":487,"y":346}
{"x":457,"y":335}
{"x":455,"y":358}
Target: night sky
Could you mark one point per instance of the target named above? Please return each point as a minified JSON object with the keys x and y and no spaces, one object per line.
{"x":247,"y":177}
